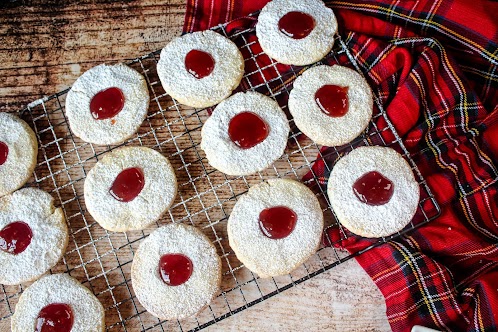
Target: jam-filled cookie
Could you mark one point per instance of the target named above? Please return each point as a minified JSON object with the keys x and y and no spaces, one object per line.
{"x":176,"y":272}
{"x":296,"y":32}
{"x":373,"y":191}
{"x":275,"y":227}
{"x":332,"y":105}
{"x":18,"y":152}
{"x":245,"y":134}
{"x":107,"y":104}
{"x":33,"y":235}
{"x":130,"y":188}
{"x":58,"y":302}
{"x":200,"y":69}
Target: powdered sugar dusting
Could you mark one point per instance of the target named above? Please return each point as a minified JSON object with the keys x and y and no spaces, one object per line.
{"x":210,"y":90}
{"x":227,"y":157}
{"x":176,"y":302}
{"x":269,"y":257}
{"x":367,"y":220}
{"x":88,"y":313}
{"x":23,"y":150}
{"x":323,"y":129}
{"x":156,"y":197}
{"x":291,"y":51}
{"x":50,"y":236}
{"x":126,"y":122}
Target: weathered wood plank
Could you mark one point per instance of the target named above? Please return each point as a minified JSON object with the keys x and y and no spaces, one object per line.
{"x":44,"y":48}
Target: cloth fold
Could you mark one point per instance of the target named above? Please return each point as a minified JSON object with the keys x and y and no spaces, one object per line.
{"x":434,"y":66}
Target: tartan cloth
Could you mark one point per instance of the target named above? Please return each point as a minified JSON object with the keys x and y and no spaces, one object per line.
{"x":434,"y":66}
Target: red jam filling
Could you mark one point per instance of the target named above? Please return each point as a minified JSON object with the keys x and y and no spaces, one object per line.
{"x":373,"y":189}
{"x":4,"y":152}
{"x":247,"y":129}
{"x":175,"y":269}
{"x":15,"y":237}
{"x":107,"y":103}
{"x":277,"y":222}
{"x":296,"y":25}
{"x":128,"y":184}
{"x":332,"y":100}
{"x":199,"y":63}
{"x":55,"y":317}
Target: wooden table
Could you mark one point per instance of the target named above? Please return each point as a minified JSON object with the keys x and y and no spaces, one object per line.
{"x":45,"y":47}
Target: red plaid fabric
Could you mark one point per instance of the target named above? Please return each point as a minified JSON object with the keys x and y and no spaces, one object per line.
{"x":434,"y":66}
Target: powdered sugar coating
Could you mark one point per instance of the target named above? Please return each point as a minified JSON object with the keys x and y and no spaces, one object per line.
{"x":367,"y":220}
{"x":23,"y":151}
{"x":269,"y":257}
{"x":88,"y":312}
{"x":176,"y":302}
{"x":36,"y":208}
{"x":230,"y":159}
{"x":156,"y":197}
{"x":291,"y":51}
{"x":323,"y":129}
{"x":126,"y":122}
{"x":207,"y":91}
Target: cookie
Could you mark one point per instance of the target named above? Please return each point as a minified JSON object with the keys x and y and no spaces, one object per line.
{"x":332,"y":105}
{"x":130,"y":188}
{"x":18,"y":153}
{"x":296,"y":32}
{"x":200,"y":69}
{"x":107,"y":104}
{"x":373,"y":191}
{"x":176,"y":272}
{"x":245,"y":134}
{"x":58,"y":302}
{"x":275,"y":227}
{"x":33,"y":235}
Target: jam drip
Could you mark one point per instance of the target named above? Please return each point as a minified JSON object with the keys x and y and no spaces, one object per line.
{"x":247,"y":129}
{"x":15,"y":237}
{"x":107,"y":103}
{"x":55,"y":317}
{"x":277,"y":222}
{"x":128,"y":184}
{"x":296,"y":25}
{"x":175,"y":269}
{"x":4,"y":153}
{"x":373,"y":188}
{"x":333,"y":100}
{"x":199,"y":63}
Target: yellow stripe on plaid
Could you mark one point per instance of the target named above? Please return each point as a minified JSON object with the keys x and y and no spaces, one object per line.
{"x":423,"y":289}
{"x":465,"y":105}
{"x":430,"y":145}
{"x":480,"y":73}
{"x":448,"y":31}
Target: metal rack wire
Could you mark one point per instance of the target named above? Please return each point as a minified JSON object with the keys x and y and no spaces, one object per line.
{"x":101,"y":260}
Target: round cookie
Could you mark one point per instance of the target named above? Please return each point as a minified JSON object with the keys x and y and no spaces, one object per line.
{"x":266,"y":236}
{"x":175,"y":294}
{"x":130,"y":188}
{"x":333,"y":128}
{"x":107,"y":104}
{"x":38,"y":305}
{"x":373,"y":191}
{"x":200,"y":69}
{"x":239,"y":122}
{"x":296,"y":32}
{"x":18,"y":152}
{"x":33,"y":235}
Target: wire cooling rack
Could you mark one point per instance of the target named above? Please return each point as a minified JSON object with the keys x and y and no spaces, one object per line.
{"x":101,"y":260}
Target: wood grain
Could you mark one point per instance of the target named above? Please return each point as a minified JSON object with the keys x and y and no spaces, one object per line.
{"x":47,"y":44}
{"x":45,"y":48}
